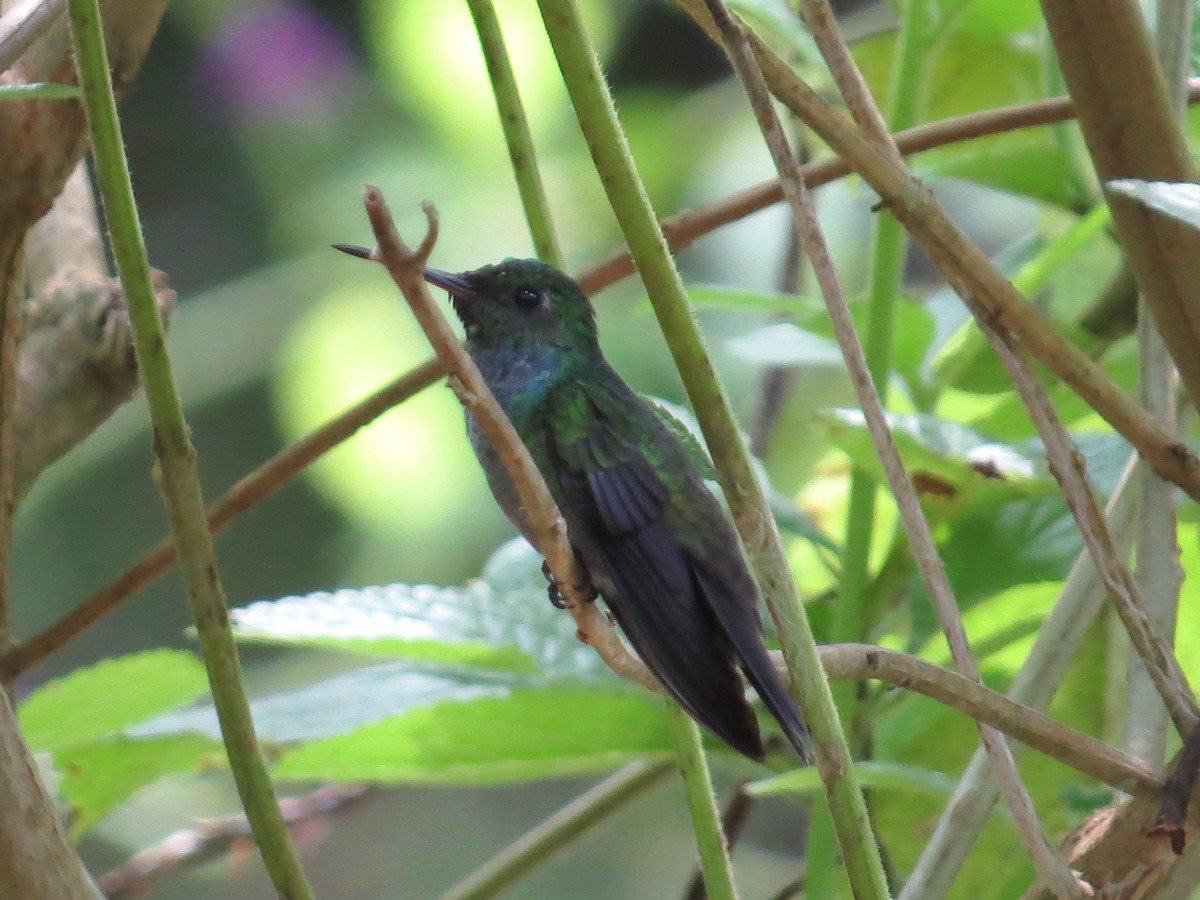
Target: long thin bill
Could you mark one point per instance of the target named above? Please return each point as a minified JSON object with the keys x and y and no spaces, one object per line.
{"x":456,"y":285}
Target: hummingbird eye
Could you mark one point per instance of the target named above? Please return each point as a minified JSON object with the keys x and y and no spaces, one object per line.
{"x":527,"y":297}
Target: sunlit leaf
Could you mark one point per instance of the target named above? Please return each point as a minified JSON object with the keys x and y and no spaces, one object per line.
{"x":944,"y":459}
{"x":528,"y":735}
{"x":422,"y":622}
{"x":990,"y":19}
{"x":345,"y":702}
{"x":503,"y":623}
{"x":97,"y":777}
{"x":991,"y":549}
{"x":101,"y":700}
{"x":784,"y":344}
{"x":979,"y":69}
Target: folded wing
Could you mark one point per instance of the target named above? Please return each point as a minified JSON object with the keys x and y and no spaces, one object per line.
{"x":665,"y":558}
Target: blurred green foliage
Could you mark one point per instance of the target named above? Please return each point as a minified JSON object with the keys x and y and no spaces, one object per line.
{"x":251,"y":131}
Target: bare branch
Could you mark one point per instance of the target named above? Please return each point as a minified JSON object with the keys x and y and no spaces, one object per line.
{"x":210,"y":840}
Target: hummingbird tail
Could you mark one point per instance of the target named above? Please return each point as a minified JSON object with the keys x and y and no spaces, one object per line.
{"x":745,"y":635}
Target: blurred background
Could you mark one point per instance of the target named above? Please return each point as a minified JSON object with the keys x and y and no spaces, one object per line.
{"x":251,"y":131}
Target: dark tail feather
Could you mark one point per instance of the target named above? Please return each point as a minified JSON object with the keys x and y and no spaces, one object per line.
{"x":670,"y":626}
{"x":757,"y":665}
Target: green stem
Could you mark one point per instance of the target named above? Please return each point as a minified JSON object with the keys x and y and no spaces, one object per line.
{"x":38,"y":91}
{"x":610,"y":154}
{"x":706,"y":818}
{"x":560,"y":829}
{"x":516,"y":132}
{"x":177,"y":471}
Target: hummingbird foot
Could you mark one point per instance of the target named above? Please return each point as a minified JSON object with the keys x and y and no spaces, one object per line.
{"x":554,"y":589}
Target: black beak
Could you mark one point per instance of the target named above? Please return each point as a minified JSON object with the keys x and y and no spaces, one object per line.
{"x":456,"y":285}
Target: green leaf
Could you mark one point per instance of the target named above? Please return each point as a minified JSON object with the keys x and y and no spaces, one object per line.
{"x":945,"y":459}
{"x":502,"y":624}
{"x":526,"y":736}
{"x":346,"y":702}
{"x":100,"y":776}
{"x":976,"y":70}
{"x":1003,"y":625}
{"x":101,"y":700}
{"x":785,"y":344}
{"x":990,"y":19}
{"x":421,"y":622}
{"x":1178,"y":200}
{"x":992,"y":549}
{"x":871,"y":774}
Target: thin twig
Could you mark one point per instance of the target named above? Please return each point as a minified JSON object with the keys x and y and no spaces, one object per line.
{"x":11,"y":297}
{"x":177,"y":472}
{"x":521,"y":152}
{"x":214,"y":839}
{"x":1081,"y":752}
{"x":1049,"y":866}
{"x":851,"y":618}
{"x":560,"y":829}
{"x":1172,"y":815}
{"x":1067,"y":464}
{"x":405,"y":268}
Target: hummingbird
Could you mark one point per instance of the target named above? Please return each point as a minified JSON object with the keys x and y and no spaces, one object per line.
{"x":656,"y":544}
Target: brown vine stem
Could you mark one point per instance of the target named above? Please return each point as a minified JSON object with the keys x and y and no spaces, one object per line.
{"x":681,"y":230}
{"x":406,"y":268}
{"x":1079,"y":751}
{"x":1049,"y":866}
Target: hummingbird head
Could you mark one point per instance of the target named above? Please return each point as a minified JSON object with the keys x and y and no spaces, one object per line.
{"x":520,"y":303}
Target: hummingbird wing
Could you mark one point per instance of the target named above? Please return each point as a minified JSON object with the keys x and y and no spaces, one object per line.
{"x":664,"y":556}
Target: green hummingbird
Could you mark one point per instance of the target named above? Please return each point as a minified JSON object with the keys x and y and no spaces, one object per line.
{"x":655,"y":542}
